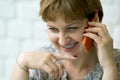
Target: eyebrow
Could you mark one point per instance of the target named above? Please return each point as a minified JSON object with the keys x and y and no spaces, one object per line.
{"x":69,"y":24}
{"x":64,"y":26}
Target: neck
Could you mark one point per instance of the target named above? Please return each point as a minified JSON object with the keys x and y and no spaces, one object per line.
{"x":84,"y":59}
{"x":81,"y":65}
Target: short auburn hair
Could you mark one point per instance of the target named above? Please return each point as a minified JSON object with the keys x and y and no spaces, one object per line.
{"x":70,"y":9}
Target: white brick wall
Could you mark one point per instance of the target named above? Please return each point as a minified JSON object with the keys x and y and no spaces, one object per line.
{"x":2,"y":28}
{"x":27,"y":9}
{"x":7,"y":7}
{"x":21,"y":29}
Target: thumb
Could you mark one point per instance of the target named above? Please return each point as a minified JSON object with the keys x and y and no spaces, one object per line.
{"x":64,"y":57}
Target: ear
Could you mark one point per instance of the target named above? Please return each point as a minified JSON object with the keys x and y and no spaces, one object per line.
{"x":97,"y":16}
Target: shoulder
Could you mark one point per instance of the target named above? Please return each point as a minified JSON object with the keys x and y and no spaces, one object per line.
{"x":116,"y":53}
{"x":96,"y":73}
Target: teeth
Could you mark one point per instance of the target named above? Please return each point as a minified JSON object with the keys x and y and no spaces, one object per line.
{"x":69,"y":46}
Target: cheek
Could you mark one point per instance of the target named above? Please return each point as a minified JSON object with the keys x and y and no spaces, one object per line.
{"x":52,"y":37}
{"x":78,"y":36}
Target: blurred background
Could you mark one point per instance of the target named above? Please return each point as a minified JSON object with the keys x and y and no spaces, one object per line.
{"x":21,"y":29}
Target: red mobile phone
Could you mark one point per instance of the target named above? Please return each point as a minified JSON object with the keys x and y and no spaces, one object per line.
{"x":87,"y":42}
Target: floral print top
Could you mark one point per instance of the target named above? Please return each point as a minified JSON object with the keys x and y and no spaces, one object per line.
{"x":94,"y":74}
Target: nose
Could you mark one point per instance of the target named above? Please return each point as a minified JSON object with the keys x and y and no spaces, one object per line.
{"x":63,"y":39}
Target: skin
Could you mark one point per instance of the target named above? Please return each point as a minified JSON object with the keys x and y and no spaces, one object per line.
{"x":75,"y":59}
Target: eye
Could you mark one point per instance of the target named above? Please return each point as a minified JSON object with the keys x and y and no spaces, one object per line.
{"x":72,"y":29}
{"x":53,"y":29}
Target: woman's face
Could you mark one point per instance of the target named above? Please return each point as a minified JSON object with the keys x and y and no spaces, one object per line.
{"x":67,"y":37}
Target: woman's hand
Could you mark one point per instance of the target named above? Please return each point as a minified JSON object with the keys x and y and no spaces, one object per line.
{"x":103,"y":43}
{"x":104,"y":46}
{"x":45,"y":61}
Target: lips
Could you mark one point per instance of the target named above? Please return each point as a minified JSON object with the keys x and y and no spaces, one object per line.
{"x":70,"y":46}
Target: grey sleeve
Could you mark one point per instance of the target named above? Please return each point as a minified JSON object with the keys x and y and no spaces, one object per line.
{"x":36,"y":74}
{"x":117,"y":59}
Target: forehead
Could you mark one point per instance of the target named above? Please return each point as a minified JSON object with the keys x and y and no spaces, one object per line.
{"x":60,"y":21}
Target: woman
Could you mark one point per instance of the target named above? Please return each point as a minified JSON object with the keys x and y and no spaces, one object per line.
{"x":67,"y":22}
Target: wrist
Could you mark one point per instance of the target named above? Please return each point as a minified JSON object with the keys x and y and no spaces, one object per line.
{"x":22,"y":63}
{"x":110,"y":73}
{"x":110,"y":68}
{"x":108,"y":64}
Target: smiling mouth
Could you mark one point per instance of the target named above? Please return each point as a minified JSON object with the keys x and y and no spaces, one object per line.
{"x":70,"y":46}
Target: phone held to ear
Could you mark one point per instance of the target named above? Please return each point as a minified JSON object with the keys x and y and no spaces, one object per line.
{"x":87,"y":42}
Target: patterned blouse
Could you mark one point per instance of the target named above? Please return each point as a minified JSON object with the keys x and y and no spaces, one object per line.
{"x":94,"y":74}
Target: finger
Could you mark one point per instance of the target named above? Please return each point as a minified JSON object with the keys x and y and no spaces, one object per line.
{"x":97,"y":30}
{"x":95,"y":24}
{"x":54,"y":67}
{"x":101,"y":26}
{"x":64,"y":57}
{"x":101,"y":31}
{"x":50,"y":71}
{"x":60,"y":67}
{"x":95,"y":37}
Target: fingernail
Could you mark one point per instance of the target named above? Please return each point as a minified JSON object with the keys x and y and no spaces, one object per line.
{"x":73,"y":57}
